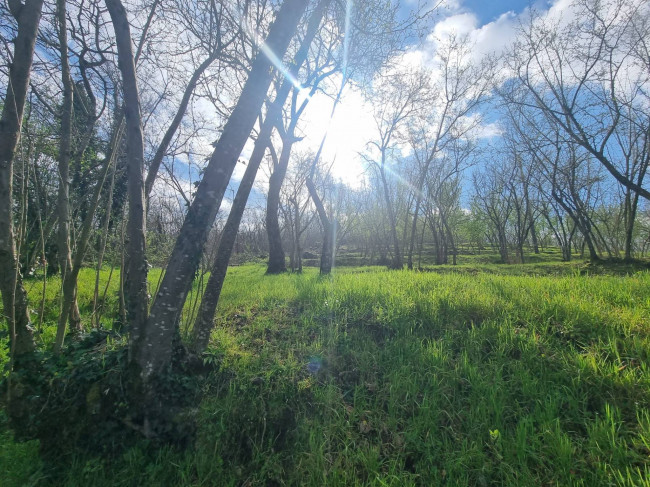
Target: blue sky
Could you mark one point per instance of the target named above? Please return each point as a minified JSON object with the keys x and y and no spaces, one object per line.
{"x":489,"y":10}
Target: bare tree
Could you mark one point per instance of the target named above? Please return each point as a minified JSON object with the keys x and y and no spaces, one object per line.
{"x":205,"y":317}
{"x":163,"y":319}
{"x":584,"y":77}
{"x":398,"y":97}
{"x":136,"y":291}
{"x":459,"y":87}
{"x":14,"y":297}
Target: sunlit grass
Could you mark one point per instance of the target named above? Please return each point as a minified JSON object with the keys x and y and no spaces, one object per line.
{"x":502,"y":375}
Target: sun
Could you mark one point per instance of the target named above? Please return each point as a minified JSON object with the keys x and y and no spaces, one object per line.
{"x":348,"y":132}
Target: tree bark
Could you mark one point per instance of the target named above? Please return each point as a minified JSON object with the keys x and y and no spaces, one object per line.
{"x":65,"y":154}
{"x":276,"y":263}
{"x":14,"y":297}
{"x":136,"y":285}
{"x":154,"y":355}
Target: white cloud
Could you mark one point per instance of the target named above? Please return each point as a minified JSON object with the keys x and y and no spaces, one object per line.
{"x":458,"y":24}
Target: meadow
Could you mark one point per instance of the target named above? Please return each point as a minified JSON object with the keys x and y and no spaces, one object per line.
{"x":478,"y":374}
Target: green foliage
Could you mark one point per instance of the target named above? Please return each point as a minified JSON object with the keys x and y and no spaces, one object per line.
{"x":531,"y":374}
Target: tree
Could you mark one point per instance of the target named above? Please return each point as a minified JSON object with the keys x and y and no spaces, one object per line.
{"x":137,"y":295}
{"x":14,"y":297}
{"x":583,"y":76}
{"x":161,"y":327}
{"x":459,"y":87}
{"x":205,"y":317}
{"x":399,"y":97}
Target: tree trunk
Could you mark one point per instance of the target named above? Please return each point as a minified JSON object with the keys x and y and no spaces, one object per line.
{"x":103,"y":236}
{"x":65,"y":153}
{"x":414,"y":224}
{"x":397,"y":255}
{"x":70,"y":280}
{"x":14,"y":297}
{"x":297,"y":224}
{"x":631,"y":204}
{"x":136,"y":285}
{"x":154,"y":354}
{"x":276,"y":263}
{"x":326,"y":251}
{"x":205,"y":318}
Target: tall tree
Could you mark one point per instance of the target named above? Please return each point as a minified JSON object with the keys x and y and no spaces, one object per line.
{"x":155,"y":353}
{"x":584,"y":76}
{"x":14,"y":297}
{"x":205,"y":317}
{"x":400,"y":96}
{"x":65,"y":153}
{"x":136,"y":284}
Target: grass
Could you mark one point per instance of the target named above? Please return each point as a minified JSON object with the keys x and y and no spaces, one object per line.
{"x":535,"y":374}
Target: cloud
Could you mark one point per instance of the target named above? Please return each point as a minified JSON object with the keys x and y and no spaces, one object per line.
{"x":458,"y":24}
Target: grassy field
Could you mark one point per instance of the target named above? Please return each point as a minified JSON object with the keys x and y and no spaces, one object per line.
{"x":535,"y":374}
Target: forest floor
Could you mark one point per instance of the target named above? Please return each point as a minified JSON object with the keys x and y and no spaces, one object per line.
{"x":480,"y":374}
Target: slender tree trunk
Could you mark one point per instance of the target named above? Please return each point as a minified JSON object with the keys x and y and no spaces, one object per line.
{"x":397,"y":254}
{"x":205,"y":319}
{"x":154,"y":354}
{"x":154,"y":166}
{"x":136,"y":286}
{"x":103,"y":237}
{"x":276,"y":252}
{"x":14,"y":297}
{"x":121,"y":310}
{"x":70,"y":280}
{"x":65,"y":154}
{"x":326,"y":251}
{"x":414,"y":223}
{"x":297,"y":224}
{"x":631,"y":204}
{"x":421,"y":243}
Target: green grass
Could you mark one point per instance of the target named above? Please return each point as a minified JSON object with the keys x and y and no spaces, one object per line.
{"x":535,"y":374}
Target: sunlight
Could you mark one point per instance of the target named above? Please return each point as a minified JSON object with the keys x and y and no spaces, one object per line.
{"x":268,"y":52}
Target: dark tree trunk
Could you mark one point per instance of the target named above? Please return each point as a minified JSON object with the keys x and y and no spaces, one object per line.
{"x":326,"y":251}
{"x":397,"y":262}
{"x":155,"y":352}
{"x":276,"y":263}
{"x":298,"y":249}
{"x":205,"y":318}
{"x":414,"y":224}
{"x":631,"y":205}
{"x":14,"y":297}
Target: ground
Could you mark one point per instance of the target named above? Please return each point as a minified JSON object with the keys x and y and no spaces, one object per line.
{"x":482,"y":374}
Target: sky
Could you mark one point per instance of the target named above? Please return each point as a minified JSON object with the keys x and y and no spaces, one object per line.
{"x":489,"y":10}
{"x":490,"y":24}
